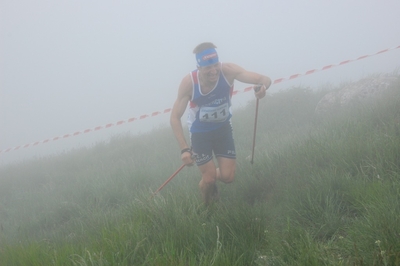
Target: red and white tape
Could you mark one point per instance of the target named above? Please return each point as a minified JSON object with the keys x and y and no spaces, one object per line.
{"x":121,"y":122}
{"x":312,"y":71}
{"x":76,"y":133}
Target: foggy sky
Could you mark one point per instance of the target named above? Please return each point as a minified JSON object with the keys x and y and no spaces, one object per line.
{"x":71,"y":65}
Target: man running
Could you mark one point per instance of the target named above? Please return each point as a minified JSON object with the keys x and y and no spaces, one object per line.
{"x":208,"y":91}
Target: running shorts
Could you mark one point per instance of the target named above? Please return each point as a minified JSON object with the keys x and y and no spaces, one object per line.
{"x":219,"y":141}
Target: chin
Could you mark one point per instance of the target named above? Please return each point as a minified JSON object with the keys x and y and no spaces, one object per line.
{"x":213,"y":78}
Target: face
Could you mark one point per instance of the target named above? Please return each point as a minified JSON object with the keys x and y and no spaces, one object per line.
{"x":210,"y":73}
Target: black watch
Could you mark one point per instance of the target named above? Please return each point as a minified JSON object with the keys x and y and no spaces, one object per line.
{"x":186,"y":150}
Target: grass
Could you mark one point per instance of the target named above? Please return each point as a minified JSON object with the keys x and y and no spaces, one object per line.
{"x":321,"y":191}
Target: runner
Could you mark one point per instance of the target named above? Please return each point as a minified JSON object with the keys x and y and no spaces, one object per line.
{"x":208,"y":91}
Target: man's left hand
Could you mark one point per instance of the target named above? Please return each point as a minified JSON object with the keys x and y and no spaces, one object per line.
{"x":260,"y":91}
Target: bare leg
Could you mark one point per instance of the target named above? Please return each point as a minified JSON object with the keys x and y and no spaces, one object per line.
{"x":226,"y":170}
{"x":210,"y":174}
{"x":207,"y":183}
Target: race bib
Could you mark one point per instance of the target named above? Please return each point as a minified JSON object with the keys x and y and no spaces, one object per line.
{"x":214,"y":114}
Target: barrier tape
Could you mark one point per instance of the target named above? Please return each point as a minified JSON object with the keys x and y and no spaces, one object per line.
{"x":153,"y":114}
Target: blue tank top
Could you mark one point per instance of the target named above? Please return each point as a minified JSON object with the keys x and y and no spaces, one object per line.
{"x":209,"y":111}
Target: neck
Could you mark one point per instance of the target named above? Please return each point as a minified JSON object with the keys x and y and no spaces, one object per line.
{"x":206,"y":83}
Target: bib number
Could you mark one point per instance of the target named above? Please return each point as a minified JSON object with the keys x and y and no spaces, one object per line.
{"x":214,"y":114}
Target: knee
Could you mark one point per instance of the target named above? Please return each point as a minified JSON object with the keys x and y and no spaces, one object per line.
{"x":208,"y":179}
{"x":227,"y":177}
{"x":226,"y":170}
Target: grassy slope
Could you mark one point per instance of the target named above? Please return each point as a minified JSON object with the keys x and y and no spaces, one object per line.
{"x":322,"y":191}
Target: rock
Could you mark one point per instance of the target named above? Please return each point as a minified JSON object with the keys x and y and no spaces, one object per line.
{"x":366,"y":88}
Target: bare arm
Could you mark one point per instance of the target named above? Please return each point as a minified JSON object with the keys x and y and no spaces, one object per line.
{"x":178,"y":109}
{"x":234,"y":72}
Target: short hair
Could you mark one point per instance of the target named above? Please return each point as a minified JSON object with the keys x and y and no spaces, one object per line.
{"x":203,"y":46}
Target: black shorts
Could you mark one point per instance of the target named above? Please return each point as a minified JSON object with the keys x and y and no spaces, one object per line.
{"x":219,"y":141}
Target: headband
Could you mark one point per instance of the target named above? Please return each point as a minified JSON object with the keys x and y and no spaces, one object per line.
{"x":207,"y":57}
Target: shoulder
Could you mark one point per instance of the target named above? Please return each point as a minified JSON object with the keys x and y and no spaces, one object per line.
{"x":231,"y":70}
{"x":185,"y":88}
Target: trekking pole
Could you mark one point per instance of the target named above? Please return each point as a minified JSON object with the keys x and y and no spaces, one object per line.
{"x":169,"y":179}
{"x":256,"y":89}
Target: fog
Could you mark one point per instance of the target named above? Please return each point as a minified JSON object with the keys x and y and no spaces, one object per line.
{"x":67,"y":66}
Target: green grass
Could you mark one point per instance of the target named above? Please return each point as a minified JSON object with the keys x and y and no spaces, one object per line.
{"x":321,"y":191}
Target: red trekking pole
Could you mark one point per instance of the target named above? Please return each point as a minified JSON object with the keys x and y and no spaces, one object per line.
{"x":169,"y":179}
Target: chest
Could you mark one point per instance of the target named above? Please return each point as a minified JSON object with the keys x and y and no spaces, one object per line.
{"x":213,"y":96}
{"x":206,"y":89}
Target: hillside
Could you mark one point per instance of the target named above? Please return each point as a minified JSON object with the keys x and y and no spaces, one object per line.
{"x":323,"y":190}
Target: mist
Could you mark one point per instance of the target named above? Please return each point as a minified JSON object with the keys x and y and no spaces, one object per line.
{"x":71,"y":65}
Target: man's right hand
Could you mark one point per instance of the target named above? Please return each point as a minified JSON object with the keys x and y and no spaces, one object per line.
{"x":187,"y":158}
